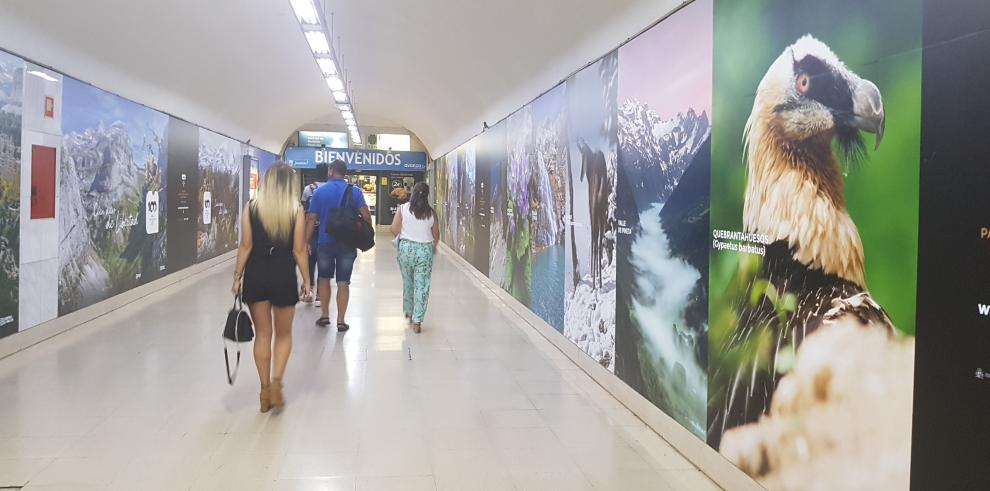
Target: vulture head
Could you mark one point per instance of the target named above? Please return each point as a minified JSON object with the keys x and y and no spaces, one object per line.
{"x":809,"y":94}
{"x":807,"y":100}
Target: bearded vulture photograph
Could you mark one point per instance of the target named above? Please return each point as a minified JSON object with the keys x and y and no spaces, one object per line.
{"x":807,"y":123}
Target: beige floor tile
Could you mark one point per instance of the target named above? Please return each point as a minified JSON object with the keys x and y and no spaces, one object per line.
{"x":402,"y":483}
{"x":80,"y":471}
{"x":390,"y":463}
{"x":514,"y":418}
{"x":310,"y":466}
{"x":17,"y":472}
{"x":329,"y":484}
{"x":33,"y":447}
{"x":464,"y":481}
{"x":551,"y":481}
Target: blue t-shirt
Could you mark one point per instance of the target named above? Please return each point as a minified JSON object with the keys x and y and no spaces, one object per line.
{"x":330,"y":196}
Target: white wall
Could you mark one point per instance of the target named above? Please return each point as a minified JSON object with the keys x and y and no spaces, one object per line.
{"x":39,"y":238}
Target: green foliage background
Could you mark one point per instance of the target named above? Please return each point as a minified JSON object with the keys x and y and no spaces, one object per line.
{"x":881,"y":41}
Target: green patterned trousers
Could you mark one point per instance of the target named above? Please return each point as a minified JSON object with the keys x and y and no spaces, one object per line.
{"x":416,"y":264}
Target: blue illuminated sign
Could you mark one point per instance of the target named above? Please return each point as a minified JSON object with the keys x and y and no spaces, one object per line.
{"x":356,"y":159}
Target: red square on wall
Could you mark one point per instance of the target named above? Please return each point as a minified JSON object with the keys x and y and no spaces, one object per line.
{"x":49,"y":107}
{"x":42,"y":182}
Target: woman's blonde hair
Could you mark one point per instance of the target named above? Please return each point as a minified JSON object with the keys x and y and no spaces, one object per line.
{"x":277,"y":202}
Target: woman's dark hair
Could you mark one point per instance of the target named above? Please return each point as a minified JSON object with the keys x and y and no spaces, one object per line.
{"x":419,"y":202}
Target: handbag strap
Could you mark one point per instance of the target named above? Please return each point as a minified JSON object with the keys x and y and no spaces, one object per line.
{"x":226,"y":360}
{"x":239,"y":306}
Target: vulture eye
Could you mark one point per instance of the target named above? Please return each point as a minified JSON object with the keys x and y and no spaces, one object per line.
{"x":803,"y":83}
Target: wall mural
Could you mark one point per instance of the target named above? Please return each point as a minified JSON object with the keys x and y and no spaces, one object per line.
{"x":129,"y":195}
{"x":725,"y":212}
{"x":492,"y":151}
{"x":664,"y":178}
{"x":220,"y":166}
{"x":589,"y":263}
{"x":11,"y":108}
{"x":813,"y":273}
{"x":549,"y":161}
{"x":112,"y":222}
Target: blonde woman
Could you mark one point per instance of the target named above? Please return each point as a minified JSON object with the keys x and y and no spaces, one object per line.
{"x":417,"y":231}
{"x":273,"y":246}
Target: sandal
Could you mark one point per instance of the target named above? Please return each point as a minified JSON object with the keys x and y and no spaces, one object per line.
{"x":323,"y":321}
{"x":417,"y":327}
{"x":342,"y":327}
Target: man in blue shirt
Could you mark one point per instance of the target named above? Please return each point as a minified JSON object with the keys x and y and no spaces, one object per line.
{"x":335,"y":260}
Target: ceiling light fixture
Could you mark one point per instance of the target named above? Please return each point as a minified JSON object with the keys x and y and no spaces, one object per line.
{"x":312,"y":18}
{"x":305,"y":11}
{"x":43,"y":75}
{"x":318,"y":42}
{"x":335,"y":83}
{"x":327,"y":66}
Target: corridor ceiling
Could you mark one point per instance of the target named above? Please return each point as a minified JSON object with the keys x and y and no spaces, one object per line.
{"x":242,"y":67}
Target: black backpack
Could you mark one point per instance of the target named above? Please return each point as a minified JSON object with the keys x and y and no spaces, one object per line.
{"x":345,"y":224}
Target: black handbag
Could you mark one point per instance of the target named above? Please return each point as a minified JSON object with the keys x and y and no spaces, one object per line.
{"x":345,"y":224}
{"x":238,"y":329}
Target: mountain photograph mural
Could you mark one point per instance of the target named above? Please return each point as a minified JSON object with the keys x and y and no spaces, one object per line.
{"x":11,"y":118}
{"x":665,"y":93}
{"x":220,"y":165}
{"x":113,"y":167}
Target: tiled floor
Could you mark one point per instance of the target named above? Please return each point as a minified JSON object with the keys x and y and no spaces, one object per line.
{"x":137,"y":399}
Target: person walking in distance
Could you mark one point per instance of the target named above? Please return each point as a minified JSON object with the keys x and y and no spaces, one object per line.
{"x":416,"y":228}
{"x":322,"y":174}
{"x":273,"y":245}
{"x":335,"y":259}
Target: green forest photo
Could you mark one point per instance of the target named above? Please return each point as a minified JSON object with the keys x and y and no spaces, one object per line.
{"x":815,"y":165}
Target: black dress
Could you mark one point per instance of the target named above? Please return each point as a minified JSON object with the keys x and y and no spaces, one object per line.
{"x":270,"y":272}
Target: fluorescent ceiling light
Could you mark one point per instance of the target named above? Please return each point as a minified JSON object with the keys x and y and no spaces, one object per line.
{"x":327,"y":66}
{"x":347,"y":113}
{"x":340,"y":96}
{"x":350,"y":123}
{"x":344,"y":107}
{"x":335,"y":83}
{"x":43,"y":75}
{"x":318,"y":42}
{"x":305,"y":11}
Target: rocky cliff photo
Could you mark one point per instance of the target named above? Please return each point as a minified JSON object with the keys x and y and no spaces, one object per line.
{"x":113,"y":155}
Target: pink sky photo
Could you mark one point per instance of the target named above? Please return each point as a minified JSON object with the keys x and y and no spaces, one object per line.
{"x":669,"y":67}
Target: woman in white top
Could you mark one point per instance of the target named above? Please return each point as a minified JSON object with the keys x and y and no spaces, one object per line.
{"x":417,"y":230}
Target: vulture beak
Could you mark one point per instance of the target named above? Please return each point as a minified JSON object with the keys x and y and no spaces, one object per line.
{"x":868,"y":109}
